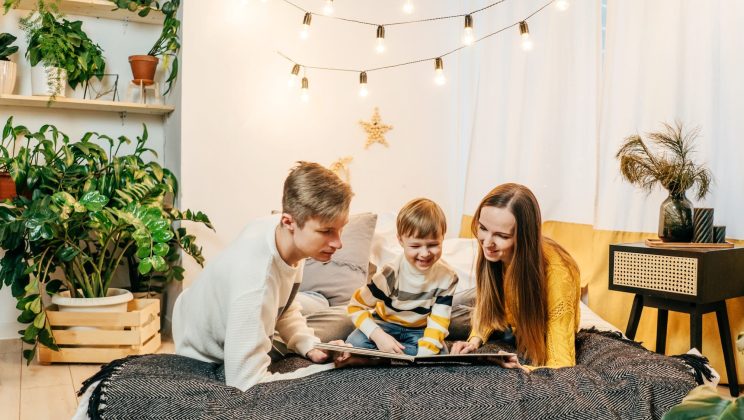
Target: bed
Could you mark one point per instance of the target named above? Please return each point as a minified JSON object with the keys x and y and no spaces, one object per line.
{"x":614,"y":377}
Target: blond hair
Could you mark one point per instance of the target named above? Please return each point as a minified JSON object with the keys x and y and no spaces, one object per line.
{"x":421,"y":218}
{"x":313,"y":191}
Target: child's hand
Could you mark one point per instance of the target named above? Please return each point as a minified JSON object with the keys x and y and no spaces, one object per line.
{"x":340,"y":357}
{"x":510,"y":362}
{"x":317,"y":356}
{"x":385,"y":342}
{"x":463,"y":347}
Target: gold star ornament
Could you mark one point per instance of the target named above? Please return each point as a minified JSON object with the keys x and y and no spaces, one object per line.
{"x":341,"y":168}
{"x":375,"y":130}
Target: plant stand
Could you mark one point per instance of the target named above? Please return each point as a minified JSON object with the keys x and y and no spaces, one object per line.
{"x":138,"y":333}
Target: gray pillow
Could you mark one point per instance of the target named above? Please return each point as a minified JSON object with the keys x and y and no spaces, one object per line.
{"x":347,"y":270}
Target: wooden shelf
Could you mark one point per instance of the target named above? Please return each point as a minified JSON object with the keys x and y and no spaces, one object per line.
{"x":84,"y":105}
{"x":98,"y":8}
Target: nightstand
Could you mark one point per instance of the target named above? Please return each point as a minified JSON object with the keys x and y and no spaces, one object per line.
{"x":694,"y":281}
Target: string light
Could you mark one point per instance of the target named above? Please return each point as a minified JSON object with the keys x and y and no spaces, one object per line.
{"x":305,"y":32}
{"x":305,"y":91}
{"x":438,"y":60}
{"x":380,"y":48}
{"x":562,"y":5}
{"x":467,"y":33}
{"x":363,"y":92}
{"x":524,"y":31}
{"x":439,"y":71}
{"x":328,"y":8}
{"x":294,"y":76}
{"x":408,"y":7}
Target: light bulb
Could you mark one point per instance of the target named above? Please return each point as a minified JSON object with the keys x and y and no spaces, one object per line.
{"x":305,"y":91}
{"x":524,"y":31}
{"x":305,"y":32}
{"x":363,"y":92}
{"x":294,"y":76}
{"x":380,"y":47}
{"x":328,"y":8}
{"x":439,"y":77}
{"x":408,"y":7}
{"x":467,"y":34}
{"x":562,"y":5}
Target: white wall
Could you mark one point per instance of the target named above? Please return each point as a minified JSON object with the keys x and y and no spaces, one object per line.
{"x":118,"y":40}
{"x":243,"y":128}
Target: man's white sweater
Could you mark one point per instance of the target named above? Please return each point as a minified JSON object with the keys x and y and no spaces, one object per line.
{"x":230,"y":313}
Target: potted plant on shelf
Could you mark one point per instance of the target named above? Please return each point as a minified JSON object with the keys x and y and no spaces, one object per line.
{"x":666,"y":160}
{"x":66,"y":54}
{"x":89,"y":210}
{"x":7,"y":67}
{"x":167,"y":45}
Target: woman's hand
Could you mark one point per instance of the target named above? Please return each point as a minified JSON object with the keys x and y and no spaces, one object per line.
{"x":385,"y":342}
{"x":511,"y":362}
{"x":463,"y":347}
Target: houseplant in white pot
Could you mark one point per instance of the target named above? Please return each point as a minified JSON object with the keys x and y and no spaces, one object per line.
{"x":59,"y":51}
{"x":89,"y":208}
{"x":7,"y":68}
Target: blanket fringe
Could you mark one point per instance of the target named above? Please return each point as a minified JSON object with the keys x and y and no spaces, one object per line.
{"x":104,"y":375}
{"x":699,"y":365}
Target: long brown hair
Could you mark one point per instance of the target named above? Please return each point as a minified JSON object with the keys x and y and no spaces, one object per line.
{"x":522,"y":287}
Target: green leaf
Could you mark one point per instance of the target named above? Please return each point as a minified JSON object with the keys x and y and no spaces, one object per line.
{"x":93,"y":201}
{"x":162,"y":236}
{"x":29,"y":335}
{"x":161,"y":249}
{"x":53,"y":287}
{"x":67,"y":253}
{"x":145,"y":266}
{"x":40,"y":320}
{"x":26,"y":316}
{"x":158,"y":263}
{"x":35,"y":305}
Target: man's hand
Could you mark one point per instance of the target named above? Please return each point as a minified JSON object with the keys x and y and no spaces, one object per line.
{"x":385,"y":342}
{"x":463,"y":347}
{"x":317,"y":356}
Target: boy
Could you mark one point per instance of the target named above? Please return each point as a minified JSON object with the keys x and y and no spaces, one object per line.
{"x":406,"y":306}
{"x":230,"y":313}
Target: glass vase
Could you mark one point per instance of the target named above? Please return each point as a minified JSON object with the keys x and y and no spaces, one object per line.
{"x":675,"y":219}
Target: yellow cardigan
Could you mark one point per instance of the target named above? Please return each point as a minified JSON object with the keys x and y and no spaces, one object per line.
{"x":564,"y":291}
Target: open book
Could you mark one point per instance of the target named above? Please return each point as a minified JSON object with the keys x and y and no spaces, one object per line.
{"x":437,"y":358}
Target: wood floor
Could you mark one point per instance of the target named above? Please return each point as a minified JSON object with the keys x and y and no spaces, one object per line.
{"x":42,"y":392}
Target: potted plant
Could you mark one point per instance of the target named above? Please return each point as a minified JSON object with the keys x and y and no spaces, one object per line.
{"x":8,"y":146}
{"x":167,"y":45}
{"x":66,"y":54}
{"x":7,"y":67}
{"x":665,"y":159}
{"x":89,"y":210}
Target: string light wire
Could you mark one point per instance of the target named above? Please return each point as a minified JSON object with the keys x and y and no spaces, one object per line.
{"x":407,"y":63}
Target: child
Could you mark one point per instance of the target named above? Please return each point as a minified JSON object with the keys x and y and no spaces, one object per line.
{"x":230,"y":313}
{"x":406,"y":306}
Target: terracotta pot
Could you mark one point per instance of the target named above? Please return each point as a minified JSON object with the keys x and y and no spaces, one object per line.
{"x":7,"y":186}
{"x":143,"y":68}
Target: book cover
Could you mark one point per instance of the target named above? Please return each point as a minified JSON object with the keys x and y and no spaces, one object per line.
{"x":437,"y":358}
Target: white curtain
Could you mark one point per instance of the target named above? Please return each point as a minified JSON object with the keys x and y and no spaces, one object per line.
{"x":534,"y":119}
{"x":667,"y":60}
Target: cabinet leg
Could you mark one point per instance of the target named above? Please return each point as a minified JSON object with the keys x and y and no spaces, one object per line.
{"x":661,"y":330}
{"x":635,"y":317}
{"x":696,"y":330}
{"x":728,"y":348}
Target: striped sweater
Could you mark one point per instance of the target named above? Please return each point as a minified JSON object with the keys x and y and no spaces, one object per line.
{"x":401,"y":294}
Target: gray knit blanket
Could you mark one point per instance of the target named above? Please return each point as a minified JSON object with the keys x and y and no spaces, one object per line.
{"x":614,"y":379}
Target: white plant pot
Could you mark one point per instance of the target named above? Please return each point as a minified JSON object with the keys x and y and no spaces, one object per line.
{"x":115,"y":301}
{"x":48,"y":81}
{"x":8,"y":71}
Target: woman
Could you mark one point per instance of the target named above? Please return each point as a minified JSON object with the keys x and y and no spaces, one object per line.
{"x":525,"y":283}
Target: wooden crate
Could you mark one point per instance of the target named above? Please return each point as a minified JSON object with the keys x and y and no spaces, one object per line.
{"x":140,"y":334}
